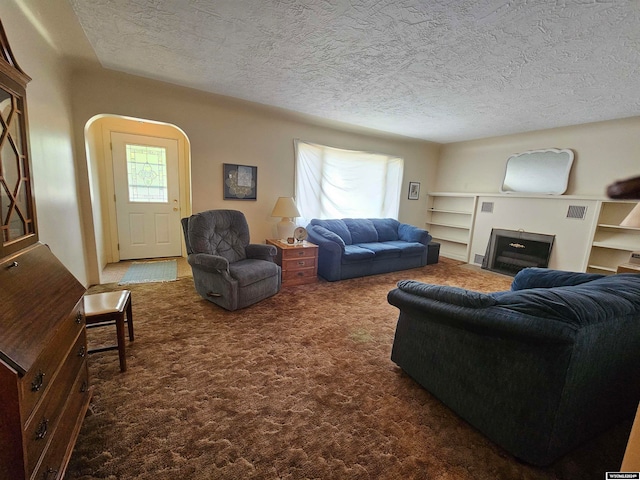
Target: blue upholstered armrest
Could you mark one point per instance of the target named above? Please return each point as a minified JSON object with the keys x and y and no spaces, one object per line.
{"x":534,"y":277}
{"x":208,"y":263}
{"x":444,"y":293}
{"x":410,"y":233}
{"x":261,"y":251}
{"x":325,"y":238}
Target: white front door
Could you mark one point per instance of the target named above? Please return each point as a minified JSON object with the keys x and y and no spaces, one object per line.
{"x":145,"y":174}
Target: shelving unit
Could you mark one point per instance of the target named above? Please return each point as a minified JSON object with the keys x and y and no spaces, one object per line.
{"x":450,"y":222}
{"x":612,"y":244}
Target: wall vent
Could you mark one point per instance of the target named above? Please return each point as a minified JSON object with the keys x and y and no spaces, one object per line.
{"x":478,"y":259}
{"x":487,"y":207}
{"x":577,"y":211}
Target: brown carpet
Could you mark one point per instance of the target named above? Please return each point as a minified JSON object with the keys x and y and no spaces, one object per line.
{"x":298,"y":386}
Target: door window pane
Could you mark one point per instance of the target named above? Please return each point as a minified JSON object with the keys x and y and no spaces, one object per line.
{"x":147,"y":173}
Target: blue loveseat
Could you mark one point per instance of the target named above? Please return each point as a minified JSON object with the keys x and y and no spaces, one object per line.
{"x":538,"y":369}
{"x":355,"y":247}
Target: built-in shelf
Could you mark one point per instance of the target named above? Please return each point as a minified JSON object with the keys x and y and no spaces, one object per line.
{"x":450,"y":223}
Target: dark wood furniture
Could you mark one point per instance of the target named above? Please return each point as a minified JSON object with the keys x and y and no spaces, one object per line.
{"x":111,"y":308}
{"x":44,"y":382}
{"x":299,"y":262}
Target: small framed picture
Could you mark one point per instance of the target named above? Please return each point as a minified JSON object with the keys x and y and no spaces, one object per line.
{"x":414,"y":190}
{"x":240,"y":182}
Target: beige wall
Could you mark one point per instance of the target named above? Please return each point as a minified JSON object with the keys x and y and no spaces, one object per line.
{"x":52,"y":147}
{"x":604,"y":152}
{"x":222,"y":130}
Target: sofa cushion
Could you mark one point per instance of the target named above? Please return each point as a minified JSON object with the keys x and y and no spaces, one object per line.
{"x":382,"y":250}
{"x":408,"y":248}
{"x":387,"y":228}
{"x":447,"y":294}
{"x":534,"y":277}
{"x":355,"y":253}
{"x":328,"y":235}
{"x":336,"y":226}
{"x":361,"y":230}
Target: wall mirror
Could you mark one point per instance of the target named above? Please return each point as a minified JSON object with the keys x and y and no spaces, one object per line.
{"x":538,"y":171}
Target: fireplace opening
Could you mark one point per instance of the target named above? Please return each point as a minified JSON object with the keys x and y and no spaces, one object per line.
{"x":509,"y":251}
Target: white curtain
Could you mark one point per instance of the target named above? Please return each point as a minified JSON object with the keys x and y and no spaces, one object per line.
{"x":336,"y":183}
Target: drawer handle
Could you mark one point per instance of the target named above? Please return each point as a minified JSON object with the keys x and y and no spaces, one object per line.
{"x":301,"y":262}
{"x":79,"y":317}
{"x":38,"y":381}
{"x":82,"y":351}
{"x":84,"y":387}
{"x":300,"y":253}
{"x":51,"y":472}
{"x":41,"y":431}
{"x":12,"y":265}
{"x":300,"y":274}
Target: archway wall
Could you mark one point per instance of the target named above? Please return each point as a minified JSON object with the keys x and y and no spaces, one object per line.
{"x":100,"y":175}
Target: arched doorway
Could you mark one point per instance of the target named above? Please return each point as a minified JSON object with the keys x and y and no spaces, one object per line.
{"x":99,"y":132}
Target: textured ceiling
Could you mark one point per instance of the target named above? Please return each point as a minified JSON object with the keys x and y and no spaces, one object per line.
{"x":439,"y":70}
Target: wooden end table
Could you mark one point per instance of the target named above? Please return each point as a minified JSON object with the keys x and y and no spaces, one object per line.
{"x":299,"y":262}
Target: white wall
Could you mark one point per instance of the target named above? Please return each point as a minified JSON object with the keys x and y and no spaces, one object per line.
{"x":604,"y":152}
{"x":51,"y":138}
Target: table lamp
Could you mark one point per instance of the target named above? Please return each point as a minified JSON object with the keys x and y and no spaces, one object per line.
{"x":286,"y":208}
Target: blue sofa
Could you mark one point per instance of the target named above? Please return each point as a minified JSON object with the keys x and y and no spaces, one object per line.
{"x":355,"y":247}
{"x":538,"y":369}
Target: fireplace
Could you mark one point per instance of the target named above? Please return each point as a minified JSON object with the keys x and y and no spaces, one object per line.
{"x":509,"y":251}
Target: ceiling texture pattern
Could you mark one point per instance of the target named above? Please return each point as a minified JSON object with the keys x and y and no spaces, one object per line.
{"x":438,"y":70}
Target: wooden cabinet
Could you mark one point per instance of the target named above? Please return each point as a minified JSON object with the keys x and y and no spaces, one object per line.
{"x":299,"y":262}
{"x":612,"y":243}
{"x":450,"y":223}
{"x":44,"y":384}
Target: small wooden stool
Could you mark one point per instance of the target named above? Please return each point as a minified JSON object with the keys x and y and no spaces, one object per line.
{"x":109,"y":308}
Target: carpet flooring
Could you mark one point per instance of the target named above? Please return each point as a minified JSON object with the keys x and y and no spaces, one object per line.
{"x":298,"y":386}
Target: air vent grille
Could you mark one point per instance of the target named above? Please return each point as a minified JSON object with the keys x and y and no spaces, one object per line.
{"x":577,"y":211}
{"x":487,"y":207}
{"x":478,"y":259}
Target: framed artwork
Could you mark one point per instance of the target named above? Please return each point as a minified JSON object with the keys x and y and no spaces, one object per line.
{"x":414,"y":190}
{"x":240,"y":182}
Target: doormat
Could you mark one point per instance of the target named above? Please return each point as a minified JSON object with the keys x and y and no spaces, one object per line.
{"x":147,"y":272}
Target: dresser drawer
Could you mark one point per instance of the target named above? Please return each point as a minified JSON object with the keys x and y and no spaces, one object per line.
{"x":303,"y":275}
{"x":297,"y":263}
{"x":45,"y":418}
{"x":67,"y":428}
{"x":35,"y":382}
{"x":288,"y":254}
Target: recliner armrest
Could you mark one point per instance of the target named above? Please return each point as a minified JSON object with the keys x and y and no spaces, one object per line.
{"x":208,"y":262}
{"x":261,"y":251}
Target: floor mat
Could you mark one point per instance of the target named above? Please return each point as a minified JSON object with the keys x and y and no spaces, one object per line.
{"x":147,"y":272}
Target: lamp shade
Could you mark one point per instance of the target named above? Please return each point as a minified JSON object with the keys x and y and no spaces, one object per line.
{"x":285,"y":207}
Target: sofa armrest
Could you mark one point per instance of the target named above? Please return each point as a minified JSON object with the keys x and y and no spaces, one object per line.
{"x":534,"y":277}
{"x":411,"y":233}
{"x":208,"y":263}
{"x":481,"y":318}
{"x":261,"y":251}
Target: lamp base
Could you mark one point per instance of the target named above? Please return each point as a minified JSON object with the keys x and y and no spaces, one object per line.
{"x":285,"y":228}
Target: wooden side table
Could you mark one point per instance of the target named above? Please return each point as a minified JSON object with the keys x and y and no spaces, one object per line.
{"x":299,"y":262}
{"x":628,"y":268}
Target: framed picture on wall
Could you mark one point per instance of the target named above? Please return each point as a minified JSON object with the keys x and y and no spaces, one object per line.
{"x":414,"y":190}
{"x":240,"y":182}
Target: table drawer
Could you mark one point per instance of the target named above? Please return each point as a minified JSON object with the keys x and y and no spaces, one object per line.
{"x":288,"y":254}
{"x":298,"y":263}
{"x":44,"y":420}
{"x":37,"y":379}
{"x":303,"y":275}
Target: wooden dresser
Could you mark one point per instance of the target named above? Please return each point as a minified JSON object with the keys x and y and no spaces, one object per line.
{"x":299,"y":262}
{"x":44,"y":385}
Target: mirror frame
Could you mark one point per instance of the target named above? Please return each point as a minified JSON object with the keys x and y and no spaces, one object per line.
{"x":543,"y":172}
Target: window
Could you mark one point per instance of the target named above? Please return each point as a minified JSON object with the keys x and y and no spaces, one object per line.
{"x":336,"y":183}
{"x":147,"y":173}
